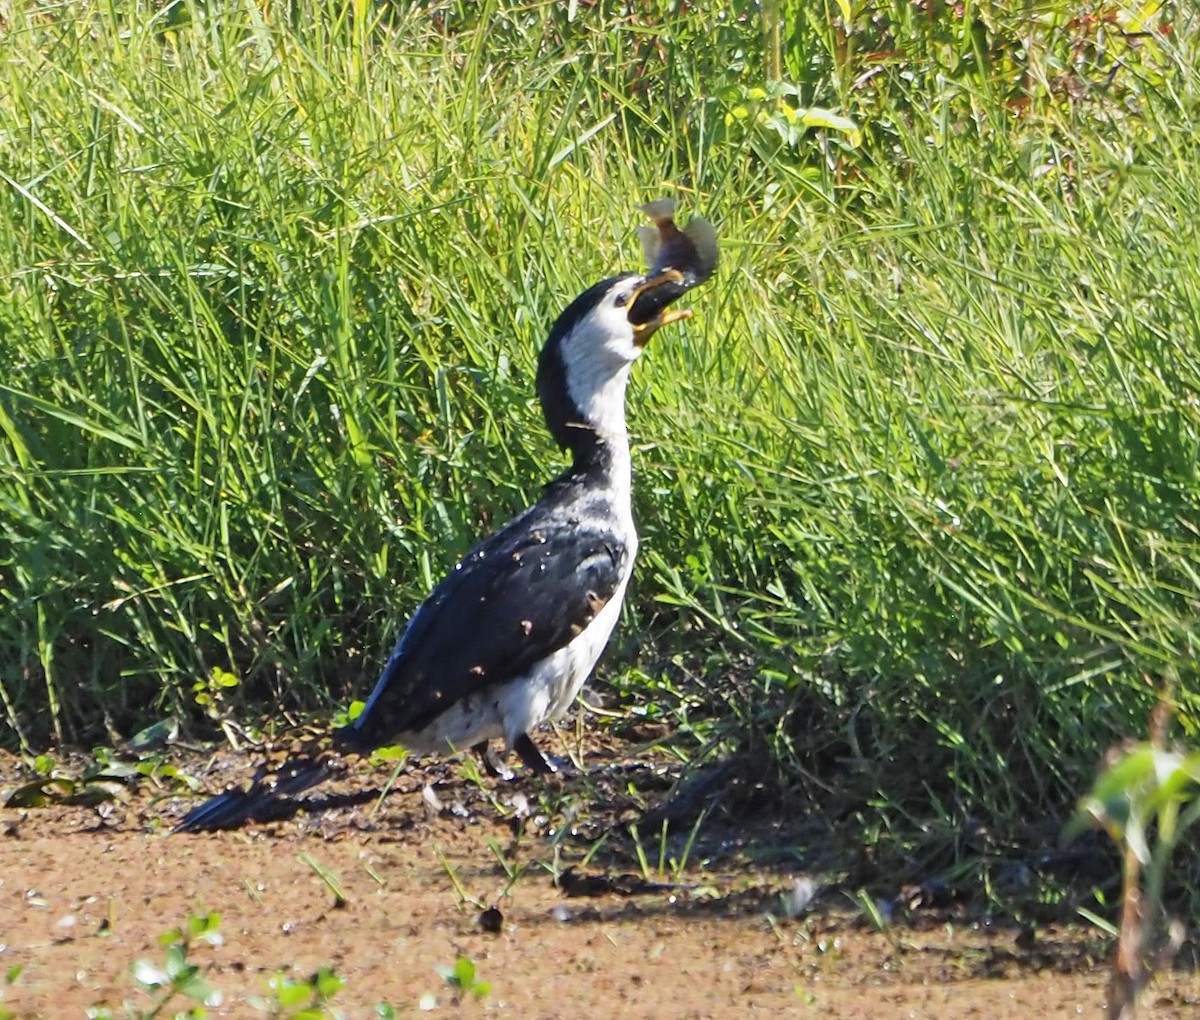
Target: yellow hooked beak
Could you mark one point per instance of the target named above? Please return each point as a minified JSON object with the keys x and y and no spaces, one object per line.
{"x":643,"y":331}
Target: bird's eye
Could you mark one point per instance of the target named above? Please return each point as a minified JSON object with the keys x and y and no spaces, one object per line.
{"x":622,"y":300}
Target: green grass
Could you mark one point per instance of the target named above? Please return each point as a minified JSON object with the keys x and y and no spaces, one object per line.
{"x":917,"y":487}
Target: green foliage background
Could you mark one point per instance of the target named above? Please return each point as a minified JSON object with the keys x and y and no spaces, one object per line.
{"x":917,"y":487}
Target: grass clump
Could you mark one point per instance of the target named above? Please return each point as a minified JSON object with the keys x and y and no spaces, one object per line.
{"x":920,"y":481}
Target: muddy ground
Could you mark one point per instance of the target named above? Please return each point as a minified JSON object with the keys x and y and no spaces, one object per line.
{"x":386,"y":892}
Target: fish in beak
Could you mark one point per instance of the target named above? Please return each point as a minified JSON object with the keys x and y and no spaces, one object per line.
{"x":679,"y":260}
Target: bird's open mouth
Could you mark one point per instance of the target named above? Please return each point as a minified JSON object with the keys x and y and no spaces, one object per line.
{"x":647,"y":305}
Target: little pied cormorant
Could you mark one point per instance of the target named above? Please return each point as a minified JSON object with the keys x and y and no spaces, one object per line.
{"x":507,"y":639}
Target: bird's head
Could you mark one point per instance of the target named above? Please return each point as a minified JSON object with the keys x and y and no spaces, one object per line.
{"x":585,"y":362}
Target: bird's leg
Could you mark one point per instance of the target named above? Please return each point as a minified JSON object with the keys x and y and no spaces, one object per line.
{"x":493,"y":764}
{"x":534,"y":760}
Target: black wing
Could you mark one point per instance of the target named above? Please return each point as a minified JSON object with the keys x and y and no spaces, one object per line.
{"x":518,"y":597}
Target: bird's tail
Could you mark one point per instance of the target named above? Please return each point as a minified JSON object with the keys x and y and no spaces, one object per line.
{"x":261,"y":798}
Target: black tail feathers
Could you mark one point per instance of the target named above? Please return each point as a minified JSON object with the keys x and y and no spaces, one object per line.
{"x":262,"y":800}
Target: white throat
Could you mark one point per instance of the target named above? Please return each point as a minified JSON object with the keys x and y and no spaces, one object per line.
{"x":596,"y":369}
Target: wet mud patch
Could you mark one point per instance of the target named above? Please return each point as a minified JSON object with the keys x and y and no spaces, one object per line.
{"x":541,"y":885}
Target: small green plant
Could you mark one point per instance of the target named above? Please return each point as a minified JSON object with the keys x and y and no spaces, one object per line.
{"x":303,"y":999}
{"x":464,"y":897}
{"x":461,"y":977}
{"x":876,"y":916}
{"x":1146,"y":799}
{"x":10,"y":978}
{"x":509,"y":865}
{"x":103,"y":779}
{"x":668,"y":866}
{"x":770,"y":107}
{"x":332,"y":882}
{"x":177,"y":977}
{"x":209,"y":693}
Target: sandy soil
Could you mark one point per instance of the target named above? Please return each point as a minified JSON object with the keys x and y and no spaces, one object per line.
{"x":85,"y":891}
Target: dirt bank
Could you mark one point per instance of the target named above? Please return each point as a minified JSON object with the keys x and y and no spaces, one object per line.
{"x":87,"y":891}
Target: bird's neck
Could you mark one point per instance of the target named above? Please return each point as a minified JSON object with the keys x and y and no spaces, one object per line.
{"x":604,"y":458}
{"x":599,"y":397}
{"x":598,"y":439}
